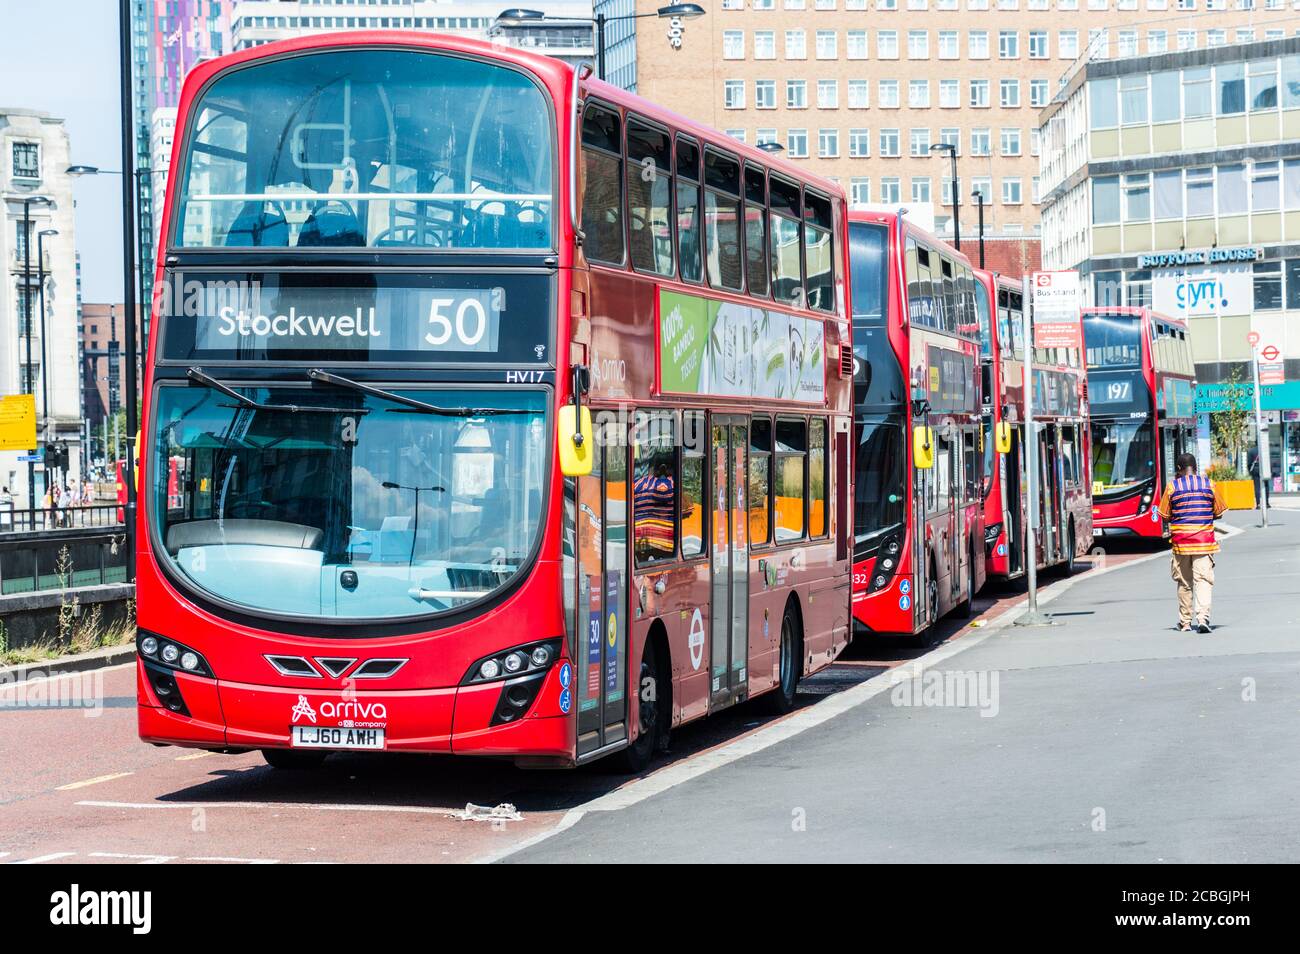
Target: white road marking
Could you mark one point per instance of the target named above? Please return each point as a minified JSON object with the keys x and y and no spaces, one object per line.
{"x":809,"y":717}
{"x":41,"y":859}
{"x":194,"y":755}
{"x":92,"y":781}
{"x":279,"y":806}
{"x":143,"y":859}
{"x":78,"y":674}
{"x":237,"y":861}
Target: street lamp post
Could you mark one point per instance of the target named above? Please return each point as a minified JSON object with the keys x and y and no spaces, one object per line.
{"x":682,"y":11}
{"x":951,"y":150}
{"x":28,"y":202}
{"x":978,"y":196}
{"x":40,"y":303}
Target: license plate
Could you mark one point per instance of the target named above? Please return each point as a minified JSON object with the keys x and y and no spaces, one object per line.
{"x":329,"y":737}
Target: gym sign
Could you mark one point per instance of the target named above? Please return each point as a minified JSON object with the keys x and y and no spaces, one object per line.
{"x":1204,"y":256}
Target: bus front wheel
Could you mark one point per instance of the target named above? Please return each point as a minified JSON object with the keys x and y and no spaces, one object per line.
{"x":652,"y":714}
{"x":782,"y":699}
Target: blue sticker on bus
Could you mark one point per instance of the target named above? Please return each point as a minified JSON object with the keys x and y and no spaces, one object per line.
{"x":1002,"y":549}
{"x":566,"y":701}
{"x":566,"y":676}
{"x":905,"y":586}
{"x":904,"y":602}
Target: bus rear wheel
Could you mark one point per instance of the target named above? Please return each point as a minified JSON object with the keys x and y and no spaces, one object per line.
{"x":930,"y":635}
{"x":1067,"y":565}
{"x":294,"y":759}
{"x":781,"y":700}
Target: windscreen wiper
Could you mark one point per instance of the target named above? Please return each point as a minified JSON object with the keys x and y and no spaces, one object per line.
{"x":199,"y":376}
{"x":325,"y":377}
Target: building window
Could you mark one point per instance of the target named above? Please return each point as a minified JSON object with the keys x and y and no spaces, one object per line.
{"x":1010,"y":142}
{"x":859,"y":143}
{"x":796,"y":94}
{"x":1038,"y":93}
{"x":733,"y":44}
{"x":1067,"y":44}
{"x":859,"y":94}
{"x":918,"y":44}
{"x":796,"y":143}
{"x":764,"y":45}
{"x":949,"y":46}
{"x":828,"y":94}
{"x":860,"y":190}
{"x":1038,"y":45}
{"x":919,"y":142}
{"x":951,"y":136}
{"x":891,"y":190}
{"x":1137,"y":198}
{"x":826,"y":45}
{"x":918,"y":94}
{"x":1009,"y":93}
{"x":1157,"y":41}
{"x":1104,"y":103}
{"x":1133,"y":99}
{"x":977,"y":45}
{"x":1035,"y":193}
{"x":1008,"y":45}
{"x":920,"y":188}
{"x":981,"y":142}
{"x":762,"y":136}
{"x":796,"y":45}
{"x":1011,"y":190}
{"x":1168,"y":188}
{"x":26,"y":160}
{"x":1198,"y":93}
{"x":1268,"y":286}
{"x":887,"y":44}
{"x":889,"y":143}
{"x":828,"y":143}
{"x":983,"y":186}
{"x":1231,"y":81}
{"x":1200,"y":192}
{"x":945,"y":191}
{"x":1105,"y":200}
{"x":949,"y":94}
{"x":888,"y":94}
{"x":1186,"y":39}
{"x":1265,"y":187}
{"x":979,"y":93}
{"x":1262,"y":89}
{"x":855,"y":44}
{"x":733,"y":94}
{"x":1128,"y":42}
{"x":765,"y":94}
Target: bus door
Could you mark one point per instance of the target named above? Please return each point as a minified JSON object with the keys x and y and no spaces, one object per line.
{"x":956,"y":514}
{"x":924,"y":501}
{"x":1013,"y":494}
{"x":603,"y":499}
{"x":729,"y":593}
{"x":1049,"y":497}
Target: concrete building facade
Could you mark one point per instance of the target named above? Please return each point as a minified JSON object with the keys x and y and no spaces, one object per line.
{"x":34,"y":154}
{"x":861,"y":89}
{"x":1174,"y":181}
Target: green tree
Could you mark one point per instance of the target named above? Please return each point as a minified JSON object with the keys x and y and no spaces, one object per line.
{"x":1230,"y":428}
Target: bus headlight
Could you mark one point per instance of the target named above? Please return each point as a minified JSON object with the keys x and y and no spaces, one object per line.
{"x":171,"y":654}
{"x":515,"y":661}
{"x":886,"y":563}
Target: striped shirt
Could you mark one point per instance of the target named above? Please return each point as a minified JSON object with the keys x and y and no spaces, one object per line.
{"x":1190,"y":505}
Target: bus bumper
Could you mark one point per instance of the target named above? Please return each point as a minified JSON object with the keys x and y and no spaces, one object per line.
{"x":1144,"y":524}
{"x":456,"y":719}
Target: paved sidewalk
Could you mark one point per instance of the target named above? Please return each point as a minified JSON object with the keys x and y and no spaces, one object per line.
{"x":1109,"y":738}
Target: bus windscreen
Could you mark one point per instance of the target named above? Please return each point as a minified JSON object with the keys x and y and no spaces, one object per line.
{"x":369,"y":148}
{"x":1114,"y":341}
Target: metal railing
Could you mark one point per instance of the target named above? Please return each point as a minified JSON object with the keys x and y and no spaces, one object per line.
{"x":61,"y":559}
{"x":18,"y":519}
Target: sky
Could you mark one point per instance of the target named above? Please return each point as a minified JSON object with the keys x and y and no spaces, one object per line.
{"x":60,"y":56}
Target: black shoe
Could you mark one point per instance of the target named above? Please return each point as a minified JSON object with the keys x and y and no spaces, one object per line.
{"x":1203,"y":627}
{"x":1184,"y":627}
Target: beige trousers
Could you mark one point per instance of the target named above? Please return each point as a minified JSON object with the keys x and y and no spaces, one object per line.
{"x":1194,"y":575}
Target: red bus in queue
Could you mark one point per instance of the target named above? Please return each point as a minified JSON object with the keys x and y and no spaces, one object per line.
{"x":1061,"y":421}
{"x":919,"y":492}
{"x":514,"y":412}
{"x":1142,"y":387}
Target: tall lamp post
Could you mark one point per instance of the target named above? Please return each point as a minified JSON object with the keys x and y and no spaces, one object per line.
{"x":951,"y":150}
{"x":978,"y":196}
{"x":28,"y":202}
{"x":40,"y":303}
{"x":680,"y":11}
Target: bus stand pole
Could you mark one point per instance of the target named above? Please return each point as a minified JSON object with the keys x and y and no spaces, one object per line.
{"x":1261,"y":440}
{"x":1031,"y":616}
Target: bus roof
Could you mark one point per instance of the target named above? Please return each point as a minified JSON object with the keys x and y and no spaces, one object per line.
{"x":555,"y":74}
{"x":890,"y":219}
{"x":1130,"y":311}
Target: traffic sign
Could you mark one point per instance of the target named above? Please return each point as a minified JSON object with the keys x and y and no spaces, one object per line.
{"x":1270,"y":353}
{"x":17,"y":422}
{"x":1272,"y":372}
{"x":1252,"y":338}
{"x":1056,"y":304}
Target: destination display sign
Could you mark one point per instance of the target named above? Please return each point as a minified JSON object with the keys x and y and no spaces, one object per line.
{"x":950,"y":380}
{"x":431,"y":317}
{"x":1121,"y":393}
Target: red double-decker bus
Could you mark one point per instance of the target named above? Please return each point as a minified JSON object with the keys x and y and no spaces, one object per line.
{"x":1061,"y":422}
{"x":1142,"y":392}
{"x":919,"y":493}
{"x":514,"y":412}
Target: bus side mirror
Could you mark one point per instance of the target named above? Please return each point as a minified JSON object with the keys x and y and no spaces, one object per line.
{"x":923,"y":447}
{"x":576,"y":442}
{"x":1004,"y":438}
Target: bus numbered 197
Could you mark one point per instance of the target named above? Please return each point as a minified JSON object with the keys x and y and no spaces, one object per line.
{"x":1061,"y":422}
{"x":1141,"y":387}
{"x":514,"y":412}
{"x":919,"y":494}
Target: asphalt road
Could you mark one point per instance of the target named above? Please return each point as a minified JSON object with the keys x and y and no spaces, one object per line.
{"x":872,"y":781}
{"x":1108,"y":737}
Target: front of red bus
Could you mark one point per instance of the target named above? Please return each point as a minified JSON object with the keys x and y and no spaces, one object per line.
{"x":354,"y":373}
{"x":1124,"y":447}
{"x":882,"y":596}
{"x":995,"y":355}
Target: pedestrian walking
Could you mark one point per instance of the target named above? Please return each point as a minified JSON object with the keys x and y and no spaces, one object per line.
{"x":1263,"y":488}
{"x":6,"y":509}
{"x":1190,"y":506}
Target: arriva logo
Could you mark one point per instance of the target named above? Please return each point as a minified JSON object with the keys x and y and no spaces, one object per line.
{"x":339,"y":710}
{"x":303,"y":710}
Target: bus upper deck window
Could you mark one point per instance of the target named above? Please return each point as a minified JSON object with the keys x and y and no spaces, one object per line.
{"x":818,"y":252}
{"x":602,"y":197}
{"x":688,"y":209}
